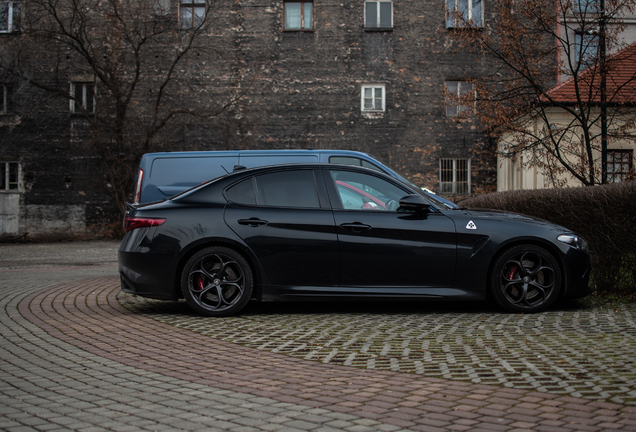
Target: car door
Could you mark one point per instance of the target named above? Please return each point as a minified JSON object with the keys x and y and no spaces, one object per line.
{"x":383,"y":246}
{"x":286,"y":220}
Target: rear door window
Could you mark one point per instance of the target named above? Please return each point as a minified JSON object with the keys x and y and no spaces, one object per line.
{"x":288,"y":189}
{"x":277,"y":189}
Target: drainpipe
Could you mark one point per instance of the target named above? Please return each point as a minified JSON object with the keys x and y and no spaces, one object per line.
{"x":603,"y":77}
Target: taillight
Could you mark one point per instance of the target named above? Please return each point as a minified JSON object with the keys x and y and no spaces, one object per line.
{"x":131,"y":223}
{"x":140,"y":178}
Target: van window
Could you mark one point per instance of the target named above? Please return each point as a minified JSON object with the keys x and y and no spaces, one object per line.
{"x":288,"y":189}
{"x":190,"y":170}
{"x":250,"y":161}
{"x":347,"y":160}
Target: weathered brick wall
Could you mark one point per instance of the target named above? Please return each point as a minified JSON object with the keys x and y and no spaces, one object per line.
{"x":305,"y":93}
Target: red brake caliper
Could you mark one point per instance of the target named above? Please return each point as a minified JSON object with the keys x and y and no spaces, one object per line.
{"x":510,"y":274}
{"x":200,"y":283}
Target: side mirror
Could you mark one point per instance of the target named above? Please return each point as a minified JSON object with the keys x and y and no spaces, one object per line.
{"x":415,"y":203}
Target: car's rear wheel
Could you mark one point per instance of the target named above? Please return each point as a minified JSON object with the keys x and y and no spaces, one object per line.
{"x":217,"y":281}
{"x":525,"y":278}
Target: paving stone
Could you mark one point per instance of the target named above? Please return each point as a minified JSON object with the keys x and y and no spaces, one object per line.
{"x":80,"y":355}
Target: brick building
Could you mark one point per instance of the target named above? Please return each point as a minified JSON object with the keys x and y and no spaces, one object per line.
{"x":362,"y":75}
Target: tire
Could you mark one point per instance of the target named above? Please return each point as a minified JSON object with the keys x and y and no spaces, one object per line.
{"x":217,"y":281}
{"x":525,"y":278}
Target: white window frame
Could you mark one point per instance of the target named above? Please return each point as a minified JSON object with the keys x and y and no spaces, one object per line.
{"x":87,"y":89}
{"x":195,"y":9}
{"x":374,"y":98}
{"x":11,"y":25}
{"x":306,"y":23}
{"x":5,"y":98}
{"x":460,"y":108}
{"x":6,"y":183}
{"x":454,"y":166}
{"x":378,"y":8}
{"x":454,"y":5}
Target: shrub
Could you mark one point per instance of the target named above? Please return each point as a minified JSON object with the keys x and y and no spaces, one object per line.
{"x":604,"y":215}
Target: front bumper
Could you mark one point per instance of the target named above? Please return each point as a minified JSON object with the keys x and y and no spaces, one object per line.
{"x":578,"y":267}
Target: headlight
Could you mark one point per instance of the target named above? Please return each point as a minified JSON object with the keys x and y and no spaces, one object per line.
{"x":574,"y":241}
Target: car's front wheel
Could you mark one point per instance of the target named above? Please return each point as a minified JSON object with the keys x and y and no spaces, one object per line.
{"x":525,"y":278}
{"x":217,"y":281}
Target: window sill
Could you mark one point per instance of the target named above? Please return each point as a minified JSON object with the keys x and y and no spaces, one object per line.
{"x":298,"y":31}
{"x":465,"y":28}
{"x":378,"y":29}
{"x":81,"y":115}
{"x":373,"y":114}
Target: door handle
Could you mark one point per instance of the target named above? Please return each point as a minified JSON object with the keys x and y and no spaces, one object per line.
{"x":355,"y":226}
{"x":253,"y":222}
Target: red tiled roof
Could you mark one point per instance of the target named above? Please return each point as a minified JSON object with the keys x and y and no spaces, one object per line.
{"x":621,"y":81}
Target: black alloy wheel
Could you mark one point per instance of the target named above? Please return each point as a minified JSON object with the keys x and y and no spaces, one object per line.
{"x":217,"y":281}
{"x":525,"y":278}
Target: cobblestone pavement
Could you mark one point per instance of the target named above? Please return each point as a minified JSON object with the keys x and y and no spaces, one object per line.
{"x":72,"y":357}
{"x":579,"y":352}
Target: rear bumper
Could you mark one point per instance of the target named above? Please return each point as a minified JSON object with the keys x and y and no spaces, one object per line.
{"x":130,"y":287}
{"x":145,"y":272}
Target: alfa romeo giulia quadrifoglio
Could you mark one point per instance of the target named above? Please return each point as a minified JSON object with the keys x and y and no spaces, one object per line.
{"x":339,"y":232}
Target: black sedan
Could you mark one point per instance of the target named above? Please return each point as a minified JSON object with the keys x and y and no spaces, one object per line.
{"x":324,"y":231}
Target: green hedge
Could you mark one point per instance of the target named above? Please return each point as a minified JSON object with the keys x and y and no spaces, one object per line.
{"x":604,"y":215}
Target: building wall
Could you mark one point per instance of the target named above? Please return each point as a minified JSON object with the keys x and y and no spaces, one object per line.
{"x":305,"y":93}
{"x":515,"y":173}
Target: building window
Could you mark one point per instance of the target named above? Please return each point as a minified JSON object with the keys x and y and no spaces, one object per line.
{"x":461,"y":13}
{"x":10,"y":14}
{"x":6,"y":99}
{"x":9,"y":176}
{"x":83,"y":98}
{"x":373,"y":98}
{"x":378,"y":14}
{"x":299,"y":16}
{"x":586,"y":6}
{"x":454,"y":176}
{"x":192,"y":14}
{"x":619,"y":165}
{"x":460,"y":98}
{"x":586,"y":48}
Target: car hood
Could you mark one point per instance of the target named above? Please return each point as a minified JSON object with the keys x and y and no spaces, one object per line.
{"x":505,"y":216}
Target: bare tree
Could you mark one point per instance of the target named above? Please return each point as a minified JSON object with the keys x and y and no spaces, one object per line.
{"x":533,"y":45}
{"x":126,"y":68}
